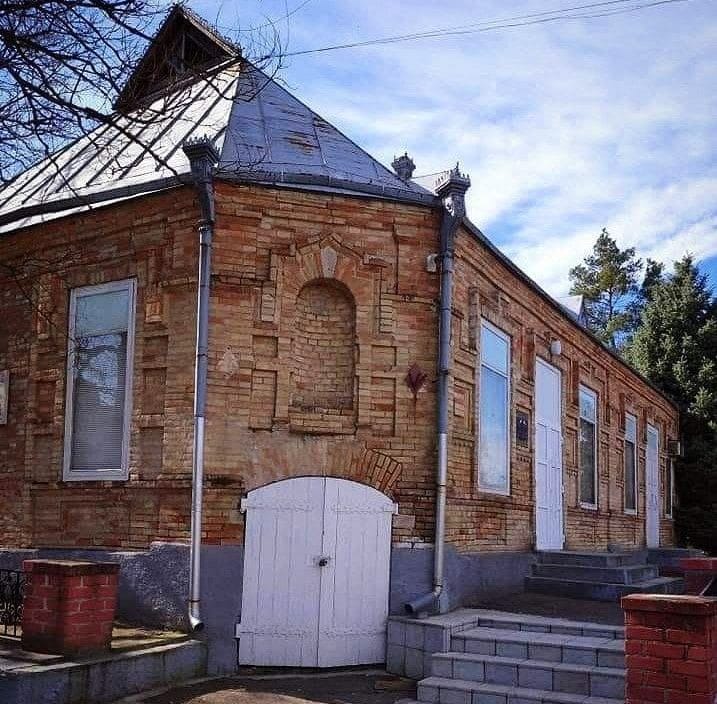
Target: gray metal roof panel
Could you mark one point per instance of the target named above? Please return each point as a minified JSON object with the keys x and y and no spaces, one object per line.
{"x":264,"y":134}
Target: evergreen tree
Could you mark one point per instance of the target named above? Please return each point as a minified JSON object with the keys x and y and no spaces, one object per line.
{"x":676,"y":348}
{"x":607,"y":280}
{"x":654,"y":276}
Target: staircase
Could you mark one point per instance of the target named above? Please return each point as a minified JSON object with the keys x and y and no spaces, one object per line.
{"x":520,"y":659}
{"x":602,"y":576}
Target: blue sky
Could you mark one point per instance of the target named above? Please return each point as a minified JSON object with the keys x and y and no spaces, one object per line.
{"x":564,"y":127}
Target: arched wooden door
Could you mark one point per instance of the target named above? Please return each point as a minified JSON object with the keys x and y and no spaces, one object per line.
{"x":316,"y":574}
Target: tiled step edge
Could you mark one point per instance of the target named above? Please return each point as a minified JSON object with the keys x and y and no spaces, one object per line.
{"x":537,"y":674}
{"x":549,"y":647}
{"x":438,"y":690}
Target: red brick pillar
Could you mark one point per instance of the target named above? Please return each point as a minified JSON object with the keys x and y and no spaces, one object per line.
{"x":699,"y":572}
{"x":670,"y":649}
{"x":69,"y":606}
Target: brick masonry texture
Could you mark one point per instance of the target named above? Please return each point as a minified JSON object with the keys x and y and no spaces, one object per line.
{"x":320,"y":304}
{"x":670,"y":649}
{"x":69,"y":606}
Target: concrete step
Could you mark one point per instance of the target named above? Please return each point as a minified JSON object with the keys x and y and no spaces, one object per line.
{"x":440,"y":690}
{"x":602,"y":591}
{"x":592,"y":559}
{"x":104,"y":678}
{"x":546,"y":647}
{"x":589,"y":680}
{"x":547,"y":624}
{"x":626,"y":574}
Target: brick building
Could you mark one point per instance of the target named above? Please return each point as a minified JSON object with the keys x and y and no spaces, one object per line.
{"x":322,"y":362}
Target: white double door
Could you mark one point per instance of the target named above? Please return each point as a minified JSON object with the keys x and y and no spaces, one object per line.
{"x":316,"y":574}
{"x":652,"y":487}
{"x":549,"y":531}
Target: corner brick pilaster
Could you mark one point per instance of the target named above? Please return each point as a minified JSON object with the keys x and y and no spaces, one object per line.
{"x":670,"y":649}
{"x":69,"y":606}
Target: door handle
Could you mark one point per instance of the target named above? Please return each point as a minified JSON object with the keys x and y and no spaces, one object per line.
{"x":323,"y":561}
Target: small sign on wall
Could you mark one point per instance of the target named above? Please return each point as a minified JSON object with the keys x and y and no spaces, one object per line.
{"x":522,"y":428}
{"x":4,"y":394}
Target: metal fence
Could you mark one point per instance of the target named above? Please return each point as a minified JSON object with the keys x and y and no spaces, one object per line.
{"x":12,"y":593}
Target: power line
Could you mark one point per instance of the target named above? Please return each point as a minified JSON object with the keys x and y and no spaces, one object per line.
{"x":272,"y":23}
{"x":588,"y":11}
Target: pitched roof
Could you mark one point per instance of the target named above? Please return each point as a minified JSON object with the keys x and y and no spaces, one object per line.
{"x":264,"y":134}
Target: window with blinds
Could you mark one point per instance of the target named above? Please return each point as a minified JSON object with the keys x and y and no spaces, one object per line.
{"x":99,"y":382}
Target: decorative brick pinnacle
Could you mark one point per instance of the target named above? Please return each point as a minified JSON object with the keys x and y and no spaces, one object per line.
{"x":403,"y":166}
{"x":451,"y":187}
{"x":202,"y":155}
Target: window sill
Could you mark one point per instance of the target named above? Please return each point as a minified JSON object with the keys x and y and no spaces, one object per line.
{"x":631,"y":512}
{"x":95,"y":476}
{"x":493,"y":493}
{"x":588,"y":507}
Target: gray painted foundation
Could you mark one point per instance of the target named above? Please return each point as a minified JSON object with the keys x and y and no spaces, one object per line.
{"x":470,"y":577}
{"x":153,"y":585}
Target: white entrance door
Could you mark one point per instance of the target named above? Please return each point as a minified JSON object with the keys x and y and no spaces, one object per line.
{"x":652,"y":488}
{"x":549,"y":533}
{"x":316,"y":574}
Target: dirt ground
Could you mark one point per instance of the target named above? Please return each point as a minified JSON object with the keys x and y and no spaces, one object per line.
{"x":334,"y":687}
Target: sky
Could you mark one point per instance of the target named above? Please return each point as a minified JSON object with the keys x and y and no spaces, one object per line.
{"x":564,"y":127}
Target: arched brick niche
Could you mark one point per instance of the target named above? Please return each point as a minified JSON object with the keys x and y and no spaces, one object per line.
{"x":322,"y":397}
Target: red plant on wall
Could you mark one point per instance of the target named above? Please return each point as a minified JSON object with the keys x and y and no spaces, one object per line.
{"x":415,"y":379}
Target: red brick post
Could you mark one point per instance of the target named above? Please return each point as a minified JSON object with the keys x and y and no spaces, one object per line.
{"x":670,"y":649}
{"x":69,"y":606}
{"x":699,"y":572}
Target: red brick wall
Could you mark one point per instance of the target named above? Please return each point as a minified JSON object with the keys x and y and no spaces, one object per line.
{"x":670,"y":649}
{"x":273,"y":251}
{"x":271,"y":245}
{"x":154,"y":240}
{"x":69,"y":606}
{"x":486,"y":288}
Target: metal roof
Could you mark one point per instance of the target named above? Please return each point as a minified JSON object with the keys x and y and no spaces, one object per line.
{"x":263,"y":132}
{"x":574,"y":305}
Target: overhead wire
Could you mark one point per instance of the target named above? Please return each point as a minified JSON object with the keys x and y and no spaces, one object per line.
{"x":585,"y":11}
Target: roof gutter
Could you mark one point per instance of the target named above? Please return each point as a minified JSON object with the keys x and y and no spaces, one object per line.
{"x":203,"y":156}
{"x":451,"y":189}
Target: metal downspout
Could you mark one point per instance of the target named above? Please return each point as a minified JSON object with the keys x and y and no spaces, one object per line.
{"x":202,"y":156}
{"x":451,"y":189}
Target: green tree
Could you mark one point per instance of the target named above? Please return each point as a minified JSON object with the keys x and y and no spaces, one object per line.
{"x":653,"y":277}
{"x":607,"y":280}
{"x":675,"y":347}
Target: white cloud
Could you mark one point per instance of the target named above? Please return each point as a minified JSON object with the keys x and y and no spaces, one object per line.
{"x":564,"y":128}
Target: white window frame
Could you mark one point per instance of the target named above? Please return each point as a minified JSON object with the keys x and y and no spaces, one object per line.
{"x":111,"y":473}
{"x":589,"y":392}
{"x":631,"y":511}
{"x":507,"y":374}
